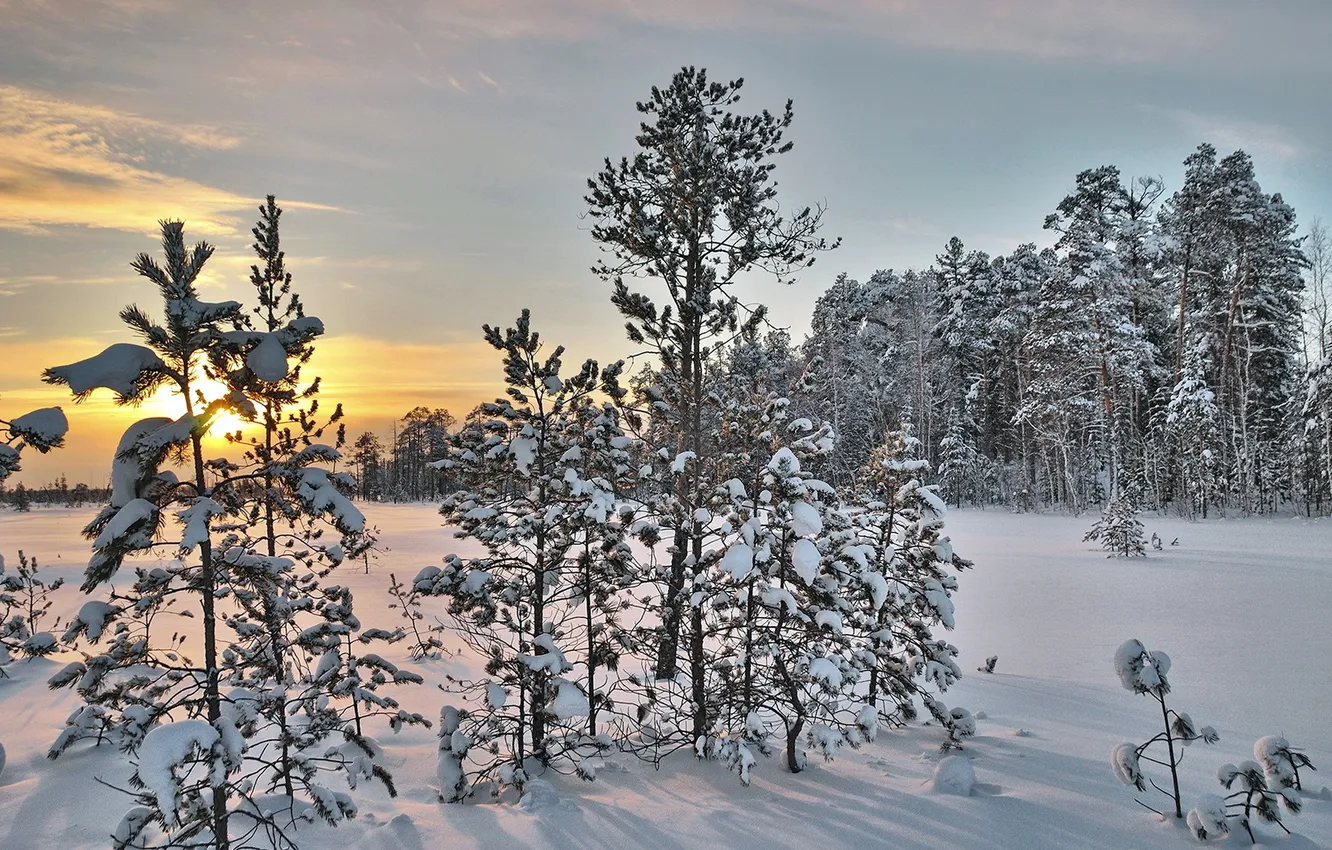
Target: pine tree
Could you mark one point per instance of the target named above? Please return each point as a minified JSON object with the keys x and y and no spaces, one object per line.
{"x":1119,"y":531}
{"x":695,"y":208}
{"x":249,"y":547}
{"x":25,"y":601}
{"x":905,"y":568}
{"x":1144,"y":672}
{"x":552,"y":529}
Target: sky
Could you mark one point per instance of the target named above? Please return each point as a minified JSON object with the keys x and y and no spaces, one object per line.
{"x":432,"y":157}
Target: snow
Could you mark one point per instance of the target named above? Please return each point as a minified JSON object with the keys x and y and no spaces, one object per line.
{"x":131,"y":516}
{"x":91,"y":619}
{"x":268,"y":359}
{"x":954,"y":775}
{"x":738,"y":561}
{"x":569,"y":702}
{"x":784,"y":462}
{"x":825,"y":670}
{"x":680,"y":461}
{"x":524,"y":450}
{"x":117,"y":369}
{"x":1139,"y":670}
{"x":42,"y":428}
{"x":162,"y":752}
{"x":805,"y":560}
{"x":128,"y":468}
{"x":316,"y":487}
{"x":805,"y":520}
{"x":196,"y":519}
{"x":1208,"y":818}
{"x":1054,"y":609}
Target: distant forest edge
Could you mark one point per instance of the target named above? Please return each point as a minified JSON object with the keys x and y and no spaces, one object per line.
{"x":1172,"y":350}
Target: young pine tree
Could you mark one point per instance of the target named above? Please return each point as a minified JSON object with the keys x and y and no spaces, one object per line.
{"x":201,"y":734}
{"x":1144,"y":672}
{"x":539,"y":604}
{"x":695,"y":208}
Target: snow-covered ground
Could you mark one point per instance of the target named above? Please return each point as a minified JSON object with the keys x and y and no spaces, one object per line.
{"x":1242,"y":607}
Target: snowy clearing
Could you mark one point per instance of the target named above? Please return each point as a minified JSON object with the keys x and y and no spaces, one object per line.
{"x":1239,"y":605}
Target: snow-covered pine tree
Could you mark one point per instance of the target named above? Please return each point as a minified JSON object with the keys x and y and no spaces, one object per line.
{"x":1192,"y":427}
{"x":1119,"y":531}
{"x":540,"y":479}
{"x":175,"y":356}
{"x":1254,"y":795}
{"x":963,"y":470}
{"x":969,"y":298}
{"x":203,"y":758}
{"x":854,"y":334}
{"x":906,"y":571}
{"x":696,"y":207}
{"x":25,"y":601}
{"x":1144,"y":672}
{"x":773,"y":615}
{"x":1235,"y":256}
{"x":284,"y":617}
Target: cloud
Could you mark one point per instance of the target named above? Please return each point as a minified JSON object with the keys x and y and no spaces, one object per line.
{"x":1121,"y":31}
{"x":383,"y":379}
{"x":64,"y":163}
{"x":1257,"y":138}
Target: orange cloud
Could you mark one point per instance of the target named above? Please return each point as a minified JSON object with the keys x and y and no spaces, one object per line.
{"x":65,"y":163}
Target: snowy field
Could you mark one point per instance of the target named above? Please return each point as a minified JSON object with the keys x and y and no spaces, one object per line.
{"x":1241,"y":606}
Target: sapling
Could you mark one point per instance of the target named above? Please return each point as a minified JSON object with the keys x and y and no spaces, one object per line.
{"x":1145,"y":672}
{"x":1119,"y":531}
{"x":25,"y":600}
{"x":1280,"y":762}
{"x":1254,"y":796}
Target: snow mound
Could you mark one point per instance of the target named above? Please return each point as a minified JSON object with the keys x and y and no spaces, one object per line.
{"x":539,"y":796}
{"x":954,"y":775}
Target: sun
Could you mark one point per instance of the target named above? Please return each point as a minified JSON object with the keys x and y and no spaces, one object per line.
{"x":167,"y":402}
{"x":227,"y":423}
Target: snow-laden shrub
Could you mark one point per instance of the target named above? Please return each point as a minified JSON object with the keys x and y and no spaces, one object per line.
{"x":1144,"y":672}
{"x":1253,"y":797}
{"x":25,"y":601}
{"x":1280,"y":762}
